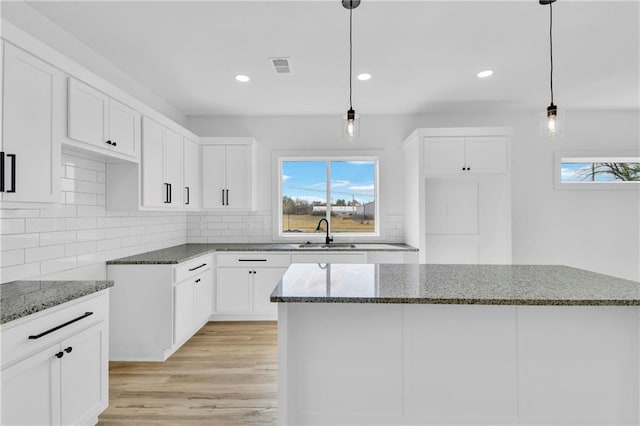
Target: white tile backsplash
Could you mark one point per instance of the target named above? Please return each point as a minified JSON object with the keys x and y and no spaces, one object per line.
{"x":82,"y":231}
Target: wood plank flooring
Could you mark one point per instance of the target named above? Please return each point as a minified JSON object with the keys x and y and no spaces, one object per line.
{"x":224,"y":375}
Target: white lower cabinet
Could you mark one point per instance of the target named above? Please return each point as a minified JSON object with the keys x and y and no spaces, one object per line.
{"x":244,"y":283}
{"x":65,"y":380}
{"x":156,"y":308}
{"x":193,"y":303}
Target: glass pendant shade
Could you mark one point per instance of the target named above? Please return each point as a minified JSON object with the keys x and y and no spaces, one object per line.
{"x":552,"y":122}
{"x":351,"y":126}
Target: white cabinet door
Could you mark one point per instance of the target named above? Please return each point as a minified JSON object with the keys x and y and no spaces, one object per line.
{"x":191,"y":174}
{"x":124,"y":129}
{"x":444,"y":155}
{"x":173,"y":167}
{"x":183,"y":311}
{"x":154,"y":188}
{"x":265,"y":281}
{"x":487,"y":154}
{"x":84,"y":386}
{"x":238,"y":177}
{"x":203,"y":297}
{"x":233,"y":290}
{"x":213,"y":176}
{"x":32,"y":127}
{"x":31,"y":390}
{"x":88,"y":113}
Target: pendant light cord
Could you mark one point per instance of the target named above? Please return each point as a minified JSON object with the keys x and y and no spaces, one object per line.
{"x":350,"y":55}
{"x":551,"y":48}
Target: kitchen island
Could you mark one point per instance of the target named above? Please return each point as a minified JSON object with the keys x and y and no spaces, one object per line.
{"x":457,"y":344}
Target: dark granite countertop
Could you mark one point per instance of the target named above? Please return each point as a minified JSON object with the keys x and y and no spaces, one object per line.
{"x":21,"y":298}
{"x":182,"y":253}
{"x":453,"y":284}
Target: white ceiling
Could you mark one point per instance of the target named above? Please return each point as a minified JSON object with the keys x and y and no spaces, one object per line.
{"x":424,"y":55}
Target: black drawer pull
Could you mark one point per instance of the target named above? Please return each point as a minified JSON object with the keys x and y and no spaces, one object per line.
{"x":60,"y":354}
{"x":198,"y":280}
{"x":252,"y":260}
{"x":51,"y":330}
{"x":68,"y":350}
{"x":13,"y":172}
{"x":188,"y":195}
{"x":197,"y":267}
{"x":2,"y":171}
{"x":167,"y":192}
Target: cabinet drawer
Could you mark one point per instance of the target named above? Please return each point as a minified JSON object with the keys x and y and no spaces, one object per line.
{"x":15,"y":337}
{"x":329,"y":258}
{"x":192,"y":268}
{"x":254,"y":260}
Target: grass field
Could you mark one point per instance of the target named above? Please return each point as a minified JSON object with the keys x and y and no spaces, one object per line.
{"x":308,"y":223}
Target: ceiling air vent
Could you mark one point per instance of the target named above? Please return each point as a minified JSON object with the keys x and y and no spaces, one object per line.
{"x":281,"y":65}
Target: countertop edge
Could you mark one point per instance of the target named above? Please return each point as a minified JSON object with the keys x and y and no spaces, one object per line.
{"x":130,"y":260}
{"x":431,"y":301}
{"x":35,"y":307}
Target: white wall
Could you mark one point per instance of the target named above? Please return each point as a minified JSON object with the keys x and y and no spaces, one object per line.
{"x":73,"y":242}
{"x":596,"y":229}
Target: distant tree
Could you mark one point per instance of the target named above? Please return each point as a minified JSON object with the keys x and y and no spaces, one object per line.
{"x":341,"y":202}
{"x":620,"y":171}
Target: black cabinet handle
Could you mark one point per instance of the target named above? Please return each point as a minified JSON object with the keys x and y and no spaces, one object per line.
{"x":223,"y":197}
{"x":109,"y":142}
{"x":187,"y":188}
{"x":227,"y":197}
{"x":13,"y":172}
{"x":166,"y":193}
{"x":60,"y":354}
{"x":114,"y":144}
{"x":468,"y":168}
{"x":56,"y":328}
{"x":2,"y":171}
{"x":170,"y":194}
{"x":68,"y":350}
{"x":252,"y":260}
{"x":198,"y":280}
{"x":197,"y":267}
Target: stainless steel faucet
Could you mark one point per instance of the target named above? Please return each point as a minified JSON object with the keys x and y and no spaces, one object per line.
{"x":327,"y":239}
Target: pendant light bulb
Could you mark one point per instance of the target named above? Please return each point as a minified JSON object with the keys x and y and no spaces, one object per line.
{"x":352,"y":125}
{"x":552,"y":118}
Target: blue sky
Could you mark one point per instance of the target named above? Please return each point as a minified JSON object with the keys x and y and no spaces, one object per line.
{"x":349,"y":179}
{"x":570,"y":173}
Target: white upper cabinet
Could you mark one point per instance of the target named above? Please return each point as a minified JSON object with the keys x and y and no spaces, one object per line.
{"x":471,"y":154}
{"x":161,"y":166}
{"x":191,"y":174}
{"x":96,"y":119}
{"x":227,"y":173}
{"x":32,"y":128}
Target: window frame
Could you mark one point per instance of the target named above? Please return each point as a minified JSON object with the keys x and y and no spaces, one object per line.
{"x":594,"y":157}
{"x":281,"y":157}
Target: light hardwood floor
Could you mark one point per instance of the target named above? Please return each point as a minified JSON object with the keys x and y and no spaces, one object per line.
{"x":224,"y":375}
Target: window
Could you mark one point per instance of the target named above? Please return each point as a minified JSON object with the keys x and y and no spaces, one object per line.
{"x":597,"y":171}
{"x":343,"y":191}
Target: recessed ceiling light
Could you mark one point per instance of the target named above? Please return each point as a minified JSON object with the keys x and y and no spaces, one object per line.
{"x":485,"y":73}
{"x":364,"y":76}
{"x":242,"y":78}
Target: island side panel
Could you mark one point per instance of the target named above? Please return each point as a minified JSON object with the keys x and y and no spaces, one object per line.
{"x":344,"y":363}
{"x":579,"y":364}
{"x":459,"y":364}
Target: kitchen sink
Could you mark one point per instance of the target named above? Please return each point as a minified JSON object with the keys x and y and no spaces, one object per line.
{"x":326,"y":246}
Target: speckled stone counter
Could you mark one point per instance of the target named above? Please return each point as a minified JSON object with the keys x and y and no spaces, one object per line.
{"x":21,"y":298}
{"x":182,"y":253}
{"x":453,"y":284}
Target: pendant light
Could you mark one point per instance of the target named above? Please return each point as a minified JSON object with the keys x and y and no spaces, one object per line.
{"x":351,"y":125}
{"x":551,"y":122}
